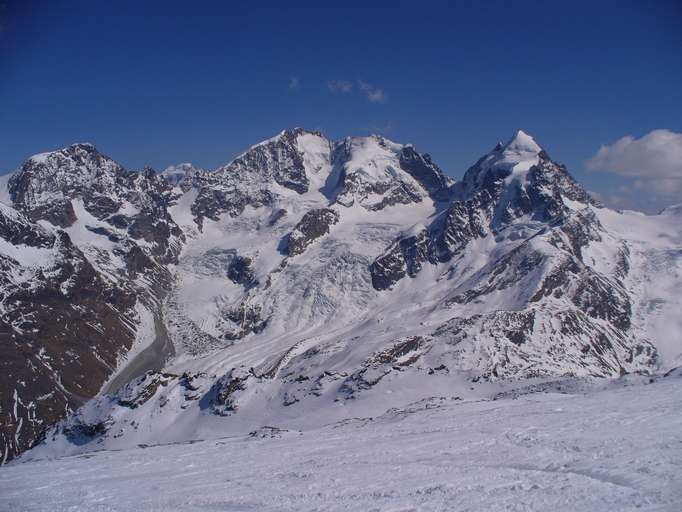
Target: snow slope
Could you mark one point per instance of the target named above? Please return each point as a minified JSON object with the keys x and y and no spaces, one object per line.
{"x":655,"y":243}
{"x":572,"y":447}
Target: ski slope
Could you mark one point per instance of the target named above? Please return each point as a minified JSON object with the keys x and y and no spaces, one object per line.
{"x":568,"y":446}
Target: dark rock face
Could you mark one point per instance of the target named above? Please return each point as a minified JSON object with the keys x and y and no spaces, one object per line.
{"x":283,"y":158}
{"x":402,"y":353}
{"x":240,"y":271}
{"x":59,"y":212}
{"x":426,"y":172}
{"x":71,"y":316}
{"x":313,"y":225}
{"x":61,"y":332}
{"x":150,"y":193}
{"x":405,"y":257}
{"x":395,"y":174}
{"x":362,"y":380}
{"x":137,"y":262}
{"x":267,"y":432}
{"x":601,"y":298}
{"x":46,"y":186}
{"x":81,"y":433}
{"x":17,"y":229}
{"x":217,"y":196}
{"x":516,"y":268}
{"x":139,"y":391}
{"x":485,"y":204}
{"x":222,"y":398}
{"x":45,"y":183}
{"x":247,"y":180}
{"x":242,"y":320}
{"x":462,"y":223}
{"x":355,"y":187}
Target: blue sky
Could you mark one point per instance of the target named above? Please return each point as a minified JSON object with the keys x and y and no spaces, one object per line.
{"x":169,"y":82}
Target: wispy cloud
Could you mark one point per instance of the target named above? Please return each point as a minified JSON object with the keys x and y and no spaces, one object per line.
{"x":342,"y":86}
{"x":294,"y":83}
{"x":373,"y":94}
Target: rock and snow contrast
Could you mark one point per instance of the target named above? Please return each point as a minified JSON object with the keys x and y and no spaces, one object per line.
{"x":311,"y":284}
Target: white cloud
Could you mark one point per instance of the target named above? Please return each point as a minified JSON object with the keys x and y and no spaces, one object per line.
{"x":340,"y":86}
{"x":657,"y":155}
{"x":294,"y":83}
{"x":654,"y":164}
{"x":374,"y":94}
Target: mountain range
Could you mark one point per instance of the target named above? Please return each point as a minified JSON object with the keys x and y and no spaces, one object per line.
{"x":311,"y":281}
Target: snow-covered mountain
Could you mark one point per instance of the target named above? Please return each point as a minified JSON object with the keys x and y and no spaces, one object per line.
{"x":309,"y":281}
{"x":179,"y":174}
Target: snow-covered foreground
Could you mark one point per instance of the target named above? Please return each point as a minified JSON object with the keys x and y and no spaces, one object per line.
{"x":616,"y":448}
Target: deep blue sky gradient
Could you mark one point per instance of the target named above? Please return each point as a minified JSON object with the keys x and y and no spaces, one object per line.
{"x":166,"y":82}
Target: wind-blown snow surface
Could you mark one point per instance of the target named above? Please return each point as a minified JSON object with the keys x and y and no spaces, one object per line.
{"x":575,"y":446}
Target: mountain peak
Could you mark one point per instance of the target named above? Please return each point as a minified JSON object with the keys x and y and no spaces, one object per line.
{"x":522,"y":143}
{"x":514,"y":158}
{"x":46,"y":181}
{"x":41,"y":158}
{"x":521,"y":163}
{"x":87,"y":146}
{"x":287,"y":135}
{"x":180,"y":173}
{"x":303,"y":131}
